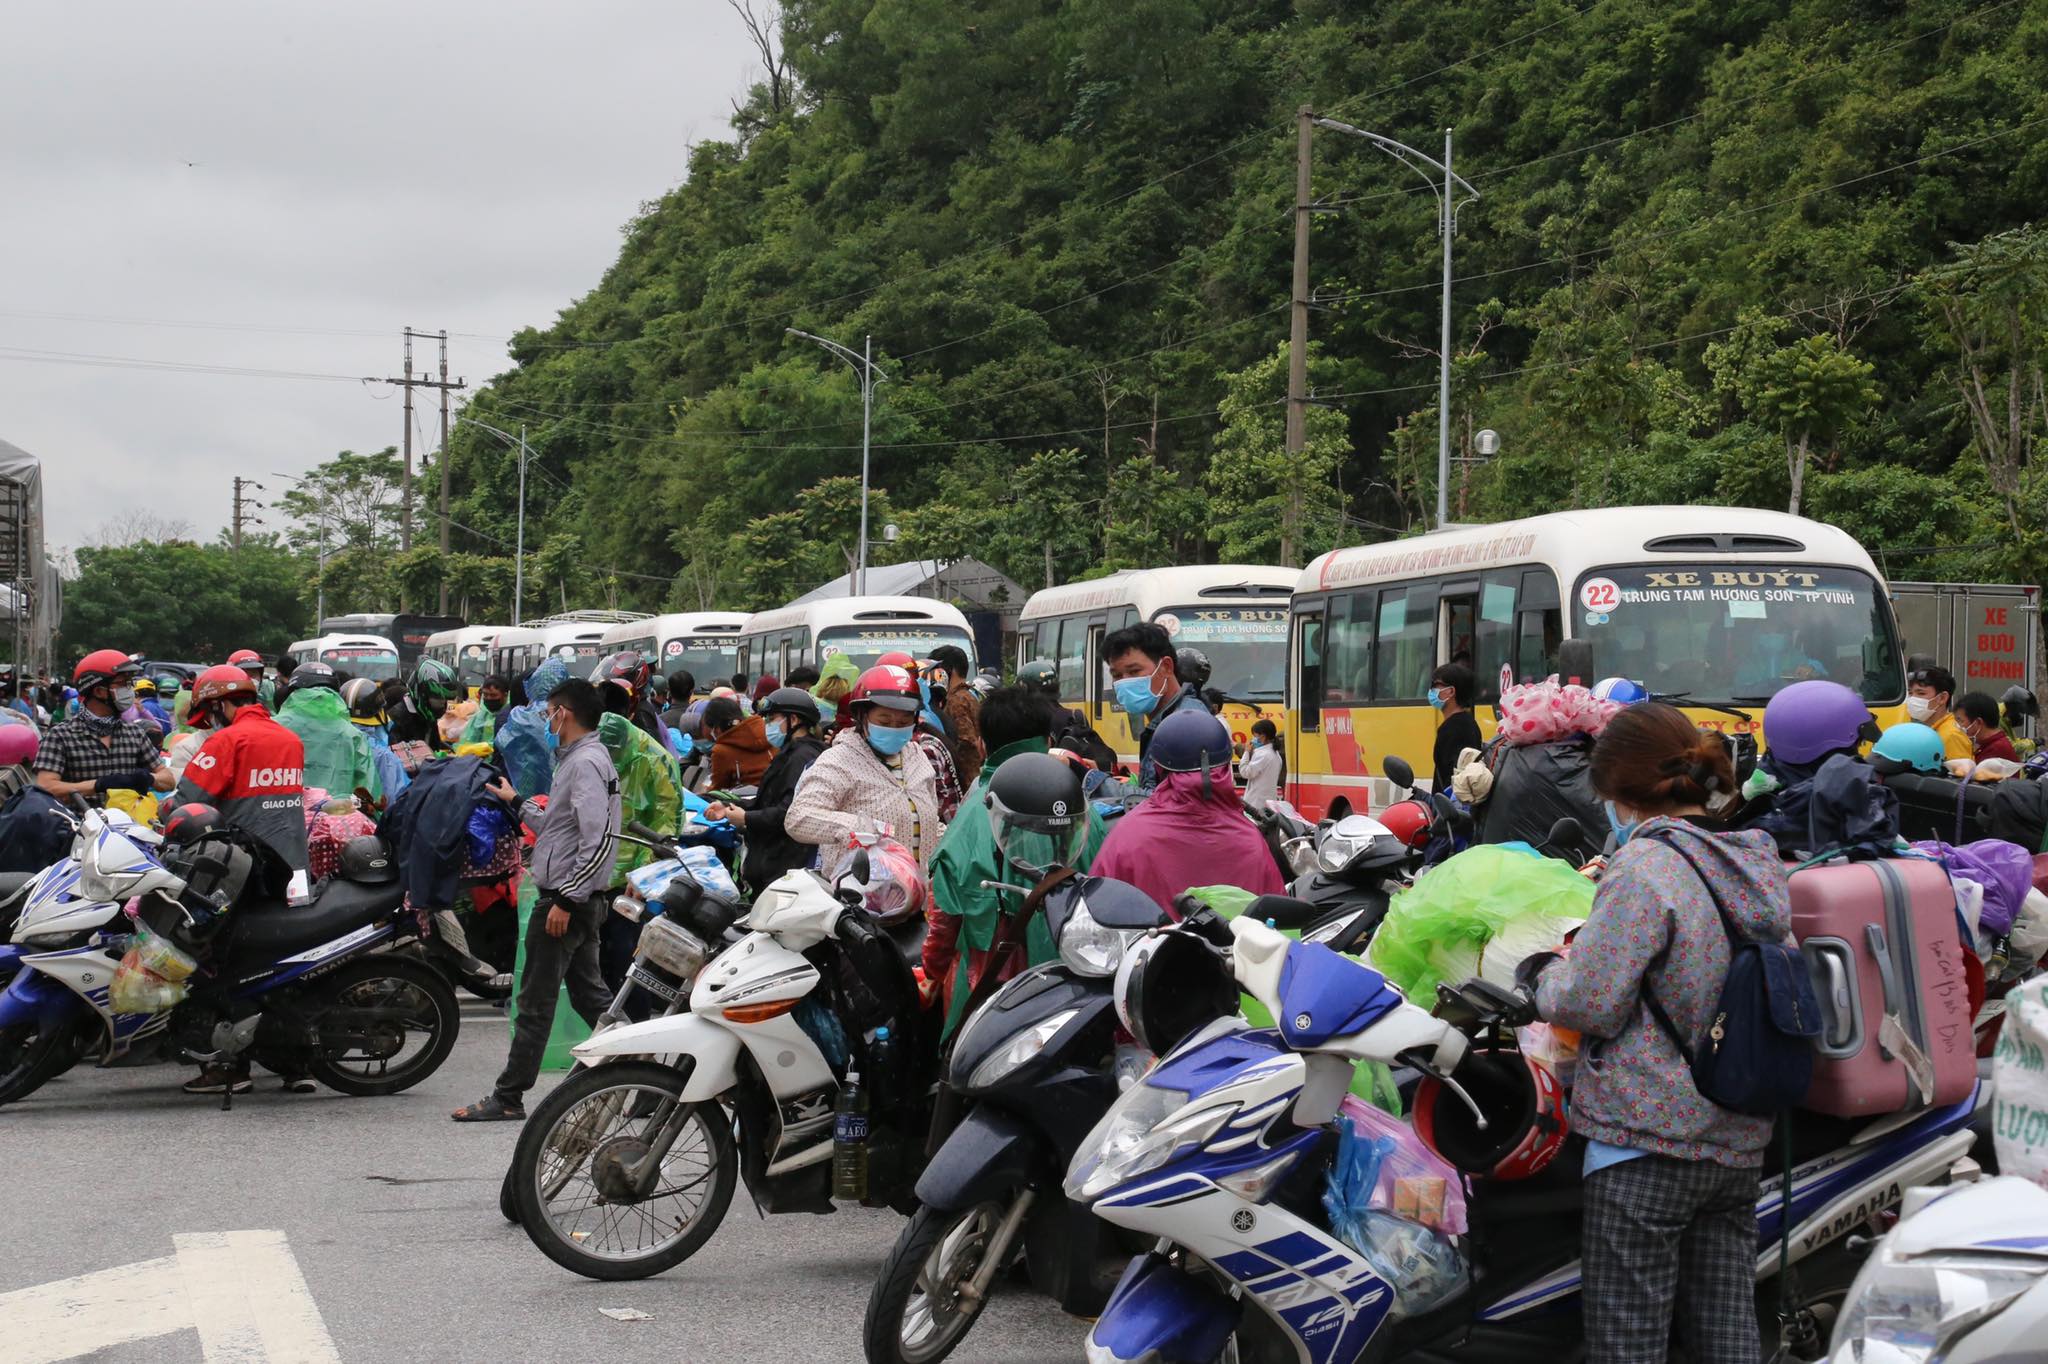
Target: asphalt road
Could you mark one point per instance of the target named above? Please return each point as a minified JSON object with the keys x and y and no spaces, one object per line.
{"x":390,"y":1212}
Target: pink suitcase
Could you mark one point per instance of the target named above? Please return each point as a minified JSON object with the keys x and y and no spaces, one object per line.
{"x":1885,"y":949}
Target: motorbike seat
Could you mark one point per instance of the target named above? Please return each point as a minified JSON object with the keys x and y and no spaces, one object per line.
{"x":271,"y":929}
{"x":909,"y":938}
{"x":1285,"y":911}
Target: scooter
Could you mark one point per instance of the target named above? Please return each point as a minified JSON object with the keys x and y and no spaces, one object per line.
{"x":627,"y":1167}
{"x":1037,"y":1063}
{"x":1962,"y":1278}
{"x":1222,"y":1153}
{"x":303,"y":989}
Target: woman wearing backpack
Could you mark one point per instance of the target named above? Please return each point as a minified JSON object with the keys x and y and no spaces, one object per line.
{"x":1670,"y":1177}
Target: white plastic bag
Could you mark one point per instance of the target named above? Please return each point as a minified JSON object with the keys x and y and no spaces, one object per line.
{"x":2019,"y":1084}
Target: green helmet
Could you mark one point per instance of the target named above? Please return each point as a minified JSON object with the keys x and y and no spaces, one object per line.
{"x":1907,"y":747}
{"x":1040,"y":674}
{"x":432,"y":680}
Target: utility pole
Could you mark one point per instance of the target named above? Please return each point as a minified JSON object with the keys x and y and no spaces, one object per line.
{"x":1443,"y":371}
{"x":1297,"y":341}
{"x":410,"y":382}
{"x":241,"y":517}
{"x":863,"y":364}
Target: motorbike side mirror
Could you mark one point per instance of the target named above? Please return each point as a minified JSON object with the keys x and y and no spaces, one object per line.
{"x":1397,"y":771}
{"x":1119,"y":904}
{"x":858,"y":869}
{"x":1566,"y":833}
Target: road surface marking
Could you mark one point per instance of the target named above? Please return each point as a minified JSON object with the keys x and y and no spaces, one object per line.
{"x":241,"y":1290}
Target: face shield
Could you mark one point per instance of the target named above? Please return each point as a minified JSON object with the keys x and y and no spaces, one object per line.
{"x":1035,"y":844}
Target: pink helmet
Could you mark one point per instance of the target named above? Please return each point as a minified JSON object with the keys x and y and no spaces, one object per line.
{"x":18,"y":744}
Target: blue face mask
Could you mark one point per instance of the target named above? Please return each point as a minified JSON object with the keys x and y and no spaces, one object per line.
{"x":702,"y":745}
{"x":1135,"y":695}
{"x":1624,"y":830}
{"x":924,"y":689}
{"x":889,"y":742}
{"x":1436,"y":699}
{"x":778,"y":735}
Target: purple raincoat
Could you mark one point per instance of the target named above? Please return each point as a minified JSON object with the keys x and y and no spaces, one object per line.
{"x":1179,"y":838}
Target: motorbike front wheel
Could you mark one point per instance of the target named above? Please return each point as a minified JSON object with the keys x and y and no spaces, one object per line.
{"x":387,"y":1023}
{"x":32,"y":1053}
{"x":583,"y":1192}
{"x":918,"y":1313}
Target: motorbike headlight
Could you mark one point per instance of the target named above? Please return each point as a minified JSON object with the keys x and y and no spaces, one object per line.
{"x":1140,"y":1133}
{"x":1335,"y":854}
{"x":1088,"y":947}
{"x":94,"y":884}
{"x":1903,"y":1312}
{"x":1019,"y":1049}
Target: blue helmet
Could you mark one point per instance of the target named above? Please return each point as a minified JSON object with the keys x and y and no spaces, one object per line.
{"x":1908,"y":747}
{"x":1620,"y":691}
{"x":1190,"y":741}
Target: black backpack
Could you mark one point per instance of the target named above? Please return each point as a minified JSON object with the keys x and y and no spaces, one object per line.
{"x":1758,"y":1058}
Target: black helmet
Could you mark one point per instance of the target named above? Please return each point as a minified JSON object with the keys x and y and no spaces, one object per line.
{"x":627,"y":668}
{"x":312,"y":673}
{"x":1036,"y":811}
{"x":1190,"y":741}
{"x":188,"y":821}
{"x":1192,"y":665}
{"x":1169,"y":985}
{"x":365,"y":700}
{"x":431,"y":680}
{"x":792,"y":701}
{"x":1040,"y":674}
{"x":367,"y":861}
{"x":215,"y":869}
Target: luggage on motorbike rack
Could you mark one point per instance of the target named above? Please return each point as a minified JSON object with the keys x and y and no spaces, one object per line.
{"x":1885,"y":948}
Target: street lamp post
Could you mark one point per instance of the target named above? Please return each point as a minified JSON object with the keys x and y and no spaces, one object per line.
{"x":863,"y":365}
{"x":519,"y":537}
{"x":1448,"y":205}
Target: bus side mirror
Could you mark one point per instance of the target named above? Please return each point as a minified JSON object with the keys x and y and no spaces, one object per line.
{"x":1575,"y":662}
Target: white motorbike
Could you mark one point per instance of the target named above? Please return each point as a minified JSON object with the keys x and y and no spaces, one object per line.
{"x":1963,"y":1278}
{"x":628,"y":1166}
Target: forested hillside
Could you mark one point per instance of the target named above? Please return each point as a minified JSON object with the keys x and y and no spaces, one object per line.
{"x":1718,"y":242}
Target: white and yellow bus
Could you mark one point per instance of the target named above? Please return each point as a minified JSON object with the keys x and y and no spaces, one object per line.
{"x":862,"y":628}
{"x":358,"y":655}
{"x":574,"y":637}
{"x":467,"y":650}
{"x":1236,"y":614}
{"x":1719,"y":606}
{"x":704,"y":644}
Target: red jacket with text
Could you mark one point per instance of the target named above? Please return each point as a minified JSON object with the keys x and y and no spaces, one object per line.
{"x":254,"y":772}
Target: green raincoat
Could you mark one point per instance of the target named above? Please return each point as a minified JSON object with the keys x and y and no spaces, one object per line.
{"x":650,"y":788}
{"x":337,"y":755}
{"x":966,"y":857}
{"x":480,"y":728}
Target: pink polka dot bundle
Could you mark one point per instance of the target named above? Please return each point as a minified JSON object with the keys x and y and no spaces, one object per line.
{"x":1543,"y":712}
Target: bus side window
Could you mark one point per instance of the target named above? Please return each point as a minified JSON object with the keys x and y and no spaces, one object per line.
{"x":1539,"y":626}
{"x":1027,"y":645}
{"x":1308,"y":685}
{"x":1073,"y":659}
{"x":1347,"y":648}
{"x":1406,"y":639}
{"x":1494,"y":644}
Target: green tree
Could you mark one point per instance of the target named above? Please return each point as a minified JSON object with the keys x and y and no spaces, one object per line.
{"x":1272,"y":505}
{"x":178,"y":600}
{"x":1810,"y":389}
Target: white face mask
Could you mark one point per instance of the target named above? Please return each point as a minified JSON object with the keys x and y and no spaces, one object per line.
{"x":1918,"y":708}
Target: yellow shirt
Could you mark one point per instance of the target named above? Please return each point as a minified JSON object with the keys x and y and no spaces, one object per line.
{"x":1955,"y":743}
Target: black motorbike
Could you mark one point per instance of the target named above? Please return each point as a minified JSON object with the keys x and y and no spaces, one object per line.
{"x":1035,"y":1066}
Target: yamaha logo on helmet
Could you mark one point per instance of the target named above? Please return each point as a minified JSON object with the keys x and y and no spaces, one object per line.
{"x":1059,"y":807}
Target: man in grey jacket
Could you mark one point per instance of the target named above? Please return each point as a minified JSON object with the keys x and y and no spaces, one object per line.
{"x":572,"y":866}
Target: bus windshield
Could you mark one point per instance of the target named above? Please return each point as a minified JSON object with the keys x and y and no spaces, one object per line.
{"x":474,"y":664}
{"x":377,"y":664}
{"x":710,"y":660}
{"x":1246,"y":646}
{"x":1739,"y":633}
{"x":864,"y":644}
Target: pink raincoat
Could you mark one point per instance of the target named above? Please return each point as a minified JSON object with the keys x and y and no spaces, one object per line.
{"x":1180,"y":838}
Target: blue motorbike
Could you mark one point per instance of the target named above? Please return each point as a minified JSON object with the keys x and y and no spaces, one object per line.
{"x":312,"y":989}
{"x":1222,"y":1153}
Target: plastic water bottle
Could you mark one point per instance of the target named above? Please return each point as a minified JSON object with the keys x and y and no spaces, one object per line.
{"x":850,"y":1142}
{"x":884,"y":1063}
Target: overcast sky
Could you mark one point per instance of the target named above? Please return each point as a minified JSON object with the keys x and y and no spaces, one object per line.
{"x":356,"y":167}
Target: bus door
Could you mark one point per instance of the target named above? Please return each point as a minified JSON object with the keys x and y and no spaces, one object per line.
{"x":1099,"y":670}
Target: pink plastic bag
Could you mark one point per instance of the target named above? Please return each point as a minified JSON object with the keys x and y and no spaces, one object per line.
{"x":1542,"y":712}
{"x":1414,"y":1181}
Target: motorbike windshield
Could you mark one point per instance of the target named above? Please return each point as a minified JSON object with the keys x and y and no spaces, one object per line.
{"x":1740,"y":632}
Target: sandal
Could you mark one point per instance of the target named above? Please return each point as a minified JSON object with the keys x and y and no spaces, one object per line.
{"x":491,"y":1109}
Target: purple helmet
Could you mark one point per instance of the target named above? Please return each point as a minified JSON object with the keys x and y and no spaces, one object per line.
{"x":1809,"y":720}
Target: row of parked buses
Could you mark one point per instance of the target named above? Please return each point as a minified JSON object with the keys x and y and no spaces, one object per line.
{"x":1714,"y":607}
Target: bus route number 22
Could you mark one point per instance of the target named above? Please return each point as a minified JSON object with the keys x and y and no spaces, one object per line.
{"x":1599,"y":594}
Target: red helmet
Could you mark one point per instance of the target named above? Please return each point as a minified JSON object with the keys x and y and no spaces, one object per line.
{"x":222,"y":682}
{"x":100,"y":667}
{"x":627,"y":669}
{"x":886,"y":684}
{"x":187,"y":822}
{"x":1526,"y":1123}
{"x":1407,"y":820}
{"x":896,"y":658}
{"x":247,"y":659}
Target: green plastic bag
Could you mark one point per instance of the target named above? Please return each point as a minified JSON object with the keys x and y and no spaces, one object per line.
{"x":1372,"y":1081}
{"x":1479,"y":914}
{"x":568,"y":1029}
